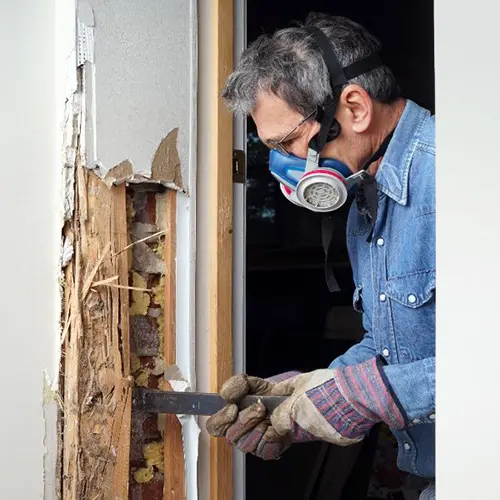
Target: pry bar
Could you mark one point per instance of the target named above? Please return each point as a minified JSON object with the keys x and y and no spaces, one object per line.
{"x":192,"y":403}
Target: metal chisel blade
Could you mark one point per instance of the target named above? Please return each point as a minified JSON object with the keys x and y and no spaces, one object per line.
{"x":192,"y":403}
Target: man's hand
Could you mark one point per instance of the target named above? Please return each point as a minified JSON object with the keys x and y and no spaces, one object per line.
{"x":249,"y":430}
{"x":338,"y":406}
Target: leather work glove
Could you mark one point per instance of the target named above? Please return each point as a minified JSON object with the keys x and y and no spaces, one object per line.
{"x":249,"y":430}
{"x":338,"y":406}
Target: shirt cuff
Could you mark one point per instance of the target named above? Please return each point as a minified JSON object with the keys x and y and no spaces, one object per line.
{"x":414,"y":386}
{"x":366,"y":388}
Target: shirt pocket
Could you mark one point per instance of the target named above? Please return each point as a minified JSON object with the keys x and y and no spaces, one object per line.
{"x":413,"y":314}
{"x":412,"y":290}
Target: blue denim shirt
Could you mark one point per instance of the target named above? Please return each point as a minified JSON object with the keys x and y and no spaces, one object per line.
{"x":395,"y":280}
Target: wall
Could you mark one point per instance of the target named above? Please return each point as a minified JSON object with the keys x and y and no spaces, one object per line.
{"x":140,"y":85}
{"x":29,"y":252}
{"x":468,"y":243}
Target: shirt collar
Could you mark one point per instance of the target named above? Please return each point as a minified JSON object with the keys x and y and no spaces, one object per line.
{"x":393,"y":173}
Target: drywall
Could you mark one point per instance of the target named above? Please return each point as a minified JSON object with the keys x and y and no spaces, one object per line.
{"x":29,"y":204}
{"x":140,"y":108}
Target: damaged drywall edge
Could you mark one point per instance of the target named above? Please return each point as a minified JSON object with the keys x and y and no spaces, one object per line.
{"x":71,"y":130}
{"x":165,"y":167}
{"x":67,"y":116}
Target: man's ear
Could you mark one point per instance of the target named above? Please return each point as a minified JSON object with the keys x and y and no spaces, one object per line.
{"x":357,"y":108}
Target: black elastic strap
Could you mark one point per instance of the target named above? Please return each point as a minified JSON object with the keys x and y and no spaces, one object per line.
{"x":337,"y":77}
{"x":362,"y":66}
{"x":328,"y":225}
{"x":380,"y":151}
{"x":326,"y":124}
{"x":367,"y":192}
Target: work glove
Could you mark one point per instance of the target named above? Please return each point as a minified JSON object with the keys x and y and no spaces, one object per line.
{"x":249,"y":430}
{"x":338,"y":406}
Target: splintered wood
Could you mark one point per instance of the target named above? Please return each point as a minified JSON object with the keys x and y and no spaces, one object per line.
{"x":97,"y":387}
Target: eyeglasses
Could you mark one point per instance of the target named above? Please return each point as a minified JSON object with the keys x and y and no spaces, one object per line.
{"x":278,"y":145}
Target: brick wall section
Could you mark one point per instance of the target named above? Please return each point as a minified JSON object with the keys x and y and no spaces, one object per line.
{"x":147,"y":271}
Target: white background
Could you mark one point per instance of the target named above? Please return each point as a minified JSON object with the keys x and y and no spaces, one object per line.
{"x":468,"y":249}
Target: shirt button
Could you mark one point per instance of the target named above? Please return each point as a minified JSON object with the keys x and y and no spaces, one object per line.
{"x":432,"y":416}
{"x":407,"y":446}
{"x":382,"y":297}
{"x":380,"y":242}
{"x":412,"y":299}
{"x":386,"y":353}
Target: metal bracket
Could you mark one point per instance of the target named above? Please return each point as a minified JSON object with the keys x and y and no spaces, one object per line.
{"x":239,"y":166}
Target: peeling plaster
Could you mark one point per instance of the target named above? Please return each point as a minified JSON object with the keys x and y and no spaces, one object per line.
{"x":122,"y":172}
{"x":166,"y":167}
{"x":71,"y":131}
{"x":67,"y":251}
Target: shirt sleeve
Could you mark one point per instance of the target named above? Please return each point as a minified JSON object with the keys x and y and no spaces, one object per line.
{"x":414,"y":386}
{"x":358,"y":353}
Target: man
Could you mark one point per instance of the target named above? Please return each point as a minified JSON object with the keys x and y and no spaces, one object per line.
{"x":327,"y":107}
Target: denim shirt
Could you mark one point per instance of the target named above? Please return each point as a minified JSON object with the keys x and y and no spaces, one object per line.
{"x":395,"y":278}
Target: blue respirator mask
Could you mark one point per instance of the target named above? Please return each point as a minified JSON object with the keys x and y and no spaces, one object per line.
{"x":324,"y":188}
{"x":323,"y":185}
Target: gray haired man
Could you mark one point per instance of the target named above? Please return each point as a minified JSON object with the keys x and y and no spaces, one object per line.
{"x":332,"y":115}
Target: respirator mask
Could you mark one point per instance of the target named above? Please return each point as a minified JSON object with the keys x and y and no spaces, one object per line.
{"x":323,"y":185}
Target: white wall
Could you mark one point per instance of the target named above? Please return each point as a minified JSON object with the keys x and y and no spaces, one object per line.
{"x":468,"y":249}
{"x":29,"y":249}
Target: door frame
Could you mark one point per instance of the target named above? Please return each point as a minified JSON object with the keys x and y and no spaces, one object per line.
{"x":220,"y":244}
{"x":239,"y":247}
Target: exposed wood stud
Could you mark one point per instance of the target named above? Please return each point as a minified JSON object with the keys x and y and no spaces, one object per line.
{"x":175,"y":482}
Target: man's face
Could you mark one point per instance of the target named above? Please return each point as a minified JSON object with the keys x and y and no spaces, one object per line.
{"x":275,"y":119}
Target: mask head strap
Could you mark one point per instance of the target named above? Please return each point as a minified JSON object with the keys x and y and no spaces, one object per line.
{"x":329,"y":127}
